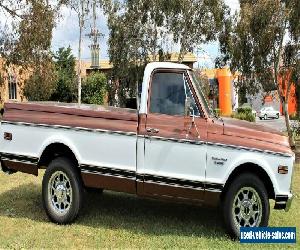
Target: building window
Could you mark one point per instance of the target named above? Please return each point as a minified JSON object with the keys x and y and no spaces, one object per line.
{"x":12,"y":87}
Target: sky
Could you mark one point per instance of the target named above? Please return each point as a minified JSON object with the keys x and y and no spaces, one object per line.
{"x":66,"y":34}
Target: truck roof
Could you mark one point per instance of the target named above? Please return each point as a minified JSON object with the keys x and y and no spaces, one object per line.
{"x":166,"y":65}
{"x":147,"y":76}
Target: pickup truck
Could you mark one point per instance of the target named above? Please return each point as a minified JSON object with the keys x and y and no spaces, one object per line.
{"x":171,"y":147}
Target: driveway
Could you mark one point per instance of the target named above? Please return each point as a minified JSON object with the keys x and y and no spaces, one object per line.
{"x":278,"y":124}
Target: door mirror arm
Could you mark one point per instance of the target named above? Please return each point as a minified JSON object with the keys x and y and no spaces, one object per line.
{"x":189,"y":111}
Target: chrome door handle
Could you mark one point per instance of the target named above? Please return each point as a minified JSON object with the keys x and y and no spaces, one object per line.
{"x":152,"y":130}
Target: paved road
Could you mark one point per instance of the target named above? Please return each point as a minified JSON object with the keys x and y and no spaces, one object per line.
{"x":278,"y":124}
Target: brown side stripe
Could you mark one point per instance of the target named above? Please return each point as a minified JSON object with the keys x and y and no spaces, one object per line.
{"x":151,"y":178}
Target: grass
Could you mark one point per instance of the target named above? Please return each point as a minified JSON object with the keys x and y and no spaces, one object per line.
{"x":115,"y":220}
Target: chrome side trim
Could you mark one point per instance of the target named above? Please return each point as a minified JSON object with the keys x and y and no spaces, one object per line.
{"x":151,"y":137}
{"x":174,"y":140}
{"x":17,"y":161}
{"x":114,"y":172}
{"x":108,"y":175}
{"x":18,"y":158}
{"x":248,"y":149}
{"x":70,"y":128}
{"x":218,"y":145}
{"x":183,"y":183}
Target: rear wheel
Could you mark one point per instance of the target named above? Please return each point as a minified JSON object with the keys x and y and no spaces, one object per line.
{"x":62,"y":191}
{"x":265,"y":117}
{"x":277,"y":116}
{"x":245,"y":204}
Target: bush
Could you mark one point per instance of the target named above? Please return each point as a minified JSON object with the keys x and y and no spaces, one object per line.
{"x":244,"y":114}
{"x":217,"y":112}
{"x":244,"y":110}
{"x":294,"y":117}
{"x":295,"y":127}
{"x":94,"y":89}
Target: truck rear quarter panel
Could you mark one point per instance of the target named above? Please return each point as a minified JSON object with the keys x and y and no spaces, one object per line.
{"x":99,"y":139}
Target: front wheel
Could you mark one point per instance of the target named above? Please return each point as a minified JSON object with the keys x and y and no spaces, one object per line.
{"x":62,"y":191}
{"x":245,"y":204}
{"x":277,"y":116}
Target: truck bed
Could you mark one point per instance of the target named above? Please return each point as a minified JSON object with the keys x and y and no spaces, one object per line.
{"x":71,"y":115}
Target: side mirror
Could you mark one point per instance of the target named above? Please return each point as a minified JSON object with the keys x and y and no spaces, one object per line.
{"x":187,"y":106}
{"x":188,"y":112}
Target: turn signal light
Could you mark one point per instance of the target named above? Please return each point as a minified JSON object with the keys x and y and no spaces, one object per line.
{"x":283,"y":169}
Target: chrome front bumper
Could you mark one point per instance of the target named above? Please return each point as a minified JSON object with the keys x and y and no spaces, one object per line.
{"x":283,"y":202}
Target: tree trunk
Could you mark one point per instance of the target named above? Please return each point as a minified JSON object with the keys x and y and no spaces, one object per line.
{"x":181,"y":55}
{"x":182,"y":51}
{"x":288,"y":125}
{"x":80,"y":17}
{"x":79,"y":69}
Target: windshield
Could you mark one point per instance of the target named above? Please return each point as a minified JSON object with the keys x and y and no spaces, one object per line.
{"x":198,"y":88}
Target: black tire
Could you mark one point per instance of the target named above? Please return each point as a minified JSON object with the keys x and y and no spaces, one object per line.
{"x":230,"y":214}
{"x":94,"y":190}
{"x":265,"y":117}
{"x":260,"y":118}
{"x":277,"y":116}
{"x":68,"y":184}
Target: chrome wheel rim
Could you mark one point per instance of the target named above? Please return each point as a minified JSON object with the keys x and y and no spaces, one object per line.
{"x":247,"y":208}
{"x":60,"y":192}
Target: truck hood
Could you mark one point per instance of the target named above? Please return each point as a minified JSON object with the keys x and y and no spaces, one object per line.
{"x":249,"y":130}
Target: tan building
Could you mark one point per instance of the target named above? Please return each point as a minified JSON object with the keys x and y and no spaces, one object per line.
{"x":11,"y":83}
{"x":105,"y":67}
{"x":12,"y":79}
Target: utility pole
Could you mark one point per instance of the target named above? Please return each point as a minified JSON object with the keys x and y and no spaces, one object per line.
{"x":94,"y":35}
{"x":81,"y":19}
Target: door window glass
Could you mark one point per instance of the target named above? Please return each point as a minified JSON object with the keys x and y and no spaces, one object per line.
{"x":168,"y":94}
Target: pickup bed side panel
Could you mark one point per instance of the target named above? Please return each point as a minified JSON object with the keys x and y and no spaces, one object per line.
{"x":104,"y":147}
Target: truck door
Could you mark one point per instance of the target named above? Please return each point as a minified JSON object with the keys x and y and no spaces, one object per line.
{"x":174,"y":147}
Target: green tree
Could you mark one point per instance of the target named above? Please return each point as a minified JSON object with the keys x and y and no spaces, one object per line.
{"x":140,"y":31}
{"x":65,"y":85}
{"x":257,"y":43}
{"x":94,"y":88}
{"x":129,"y":48}
{"x":41,"y":83}
{"x":26,"y":40}
{"x":193,"y":22}
{"x":33,"y":52}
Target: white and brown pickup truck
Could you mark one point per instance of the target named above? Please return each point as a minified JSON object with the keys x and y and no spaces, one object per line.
{"x":170,"y":147}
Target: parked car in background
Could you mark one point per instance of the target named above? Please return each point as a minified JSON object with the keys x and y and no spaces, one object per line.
{"x":268,"y":112}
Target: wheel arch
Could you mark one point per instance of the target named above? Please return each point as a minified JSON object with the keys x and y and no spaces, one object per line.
{"x":56,"y":149}
{"x":254,"y":169}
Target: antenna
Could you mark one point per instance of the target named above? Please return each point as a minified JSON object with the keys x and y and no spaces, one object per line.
{"x":94,"y":36}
